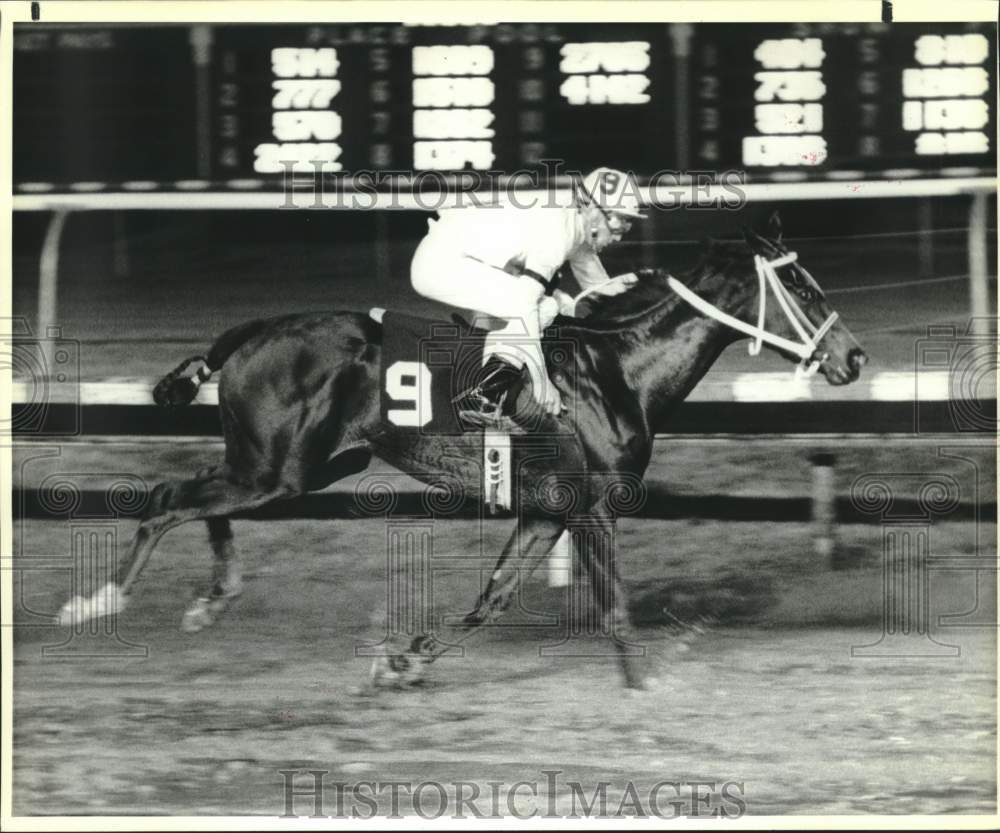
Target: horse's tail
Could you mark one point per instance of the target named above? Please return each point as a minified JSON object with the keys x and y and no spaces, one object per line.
{"x":175,"y":389}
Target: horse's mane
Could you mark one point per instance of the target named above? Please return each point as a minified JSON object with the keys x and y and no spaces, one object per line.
{"x":606,"y":312}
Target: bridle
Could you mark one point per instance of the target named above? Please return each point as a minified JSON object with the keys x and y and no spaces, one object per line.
{"x":810,"y":336}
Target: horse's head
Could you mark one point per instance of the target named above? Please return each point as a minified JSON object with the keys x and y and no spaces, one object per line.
{"x":768,"y":297}
{"x":795,"y":310}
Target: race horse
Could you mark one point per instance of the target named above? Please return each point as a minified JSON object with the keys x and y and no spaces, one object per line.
{"x":299,"y":401}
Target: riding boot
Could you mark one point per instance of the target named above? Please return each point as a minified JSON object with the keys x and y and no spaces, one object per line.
{"x":498,"y":386}
{"x":491,"y":400}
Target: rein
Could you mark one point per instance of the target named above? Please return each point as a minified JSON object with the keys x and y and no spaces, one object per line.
{"x":767,"y":276}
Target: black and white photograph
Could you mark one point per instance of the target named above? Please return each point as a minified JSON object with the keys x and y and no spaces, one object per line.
{"x":497,"y":414}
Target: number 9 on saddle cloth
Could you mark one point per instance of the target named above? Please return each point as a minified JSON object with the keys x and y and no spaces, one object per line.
{"x":430,"y":370}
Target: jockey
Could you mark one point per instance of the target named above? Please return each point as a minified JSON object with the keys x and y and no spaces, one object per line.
{"x":499,"y":260}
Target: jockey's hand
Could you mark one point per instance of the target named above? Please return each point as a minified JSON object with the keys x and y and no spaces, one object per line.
{"x":566,"y":302}
{"x":545,"y":393}
{"x":548,"y":309}
{"x":617,"y":285}
{"x":548,"y":397}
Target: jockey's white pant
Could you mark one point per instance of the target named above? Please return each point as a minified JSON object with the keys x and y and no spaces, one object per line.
{"x":442,"y":272}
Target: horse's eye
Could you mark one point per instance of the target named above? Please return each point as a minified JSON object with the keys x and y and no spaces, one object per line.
{"x":807,"y":295}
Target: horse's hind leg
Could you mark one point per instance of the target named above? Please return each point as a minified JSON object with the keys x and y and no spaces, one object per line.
{"x":226,"y":583}
{"x":171,"y":504}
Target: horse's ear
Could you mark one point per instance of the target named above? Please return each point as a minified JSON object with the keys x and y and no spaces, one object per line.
{"x":774,"y":226}
{"x":751,"y":237}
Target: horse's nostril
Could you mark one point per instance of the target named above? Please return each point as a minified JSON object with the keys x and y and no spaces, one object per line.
{"x":856,"y":359}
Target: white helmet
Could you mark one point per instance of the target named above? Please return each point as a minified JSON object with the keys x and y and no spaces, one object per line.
{"x":612,"y":191}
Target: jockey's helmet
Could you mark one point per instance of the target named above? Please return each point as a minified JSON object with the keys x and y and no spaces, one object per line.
{"x":612,"y":191}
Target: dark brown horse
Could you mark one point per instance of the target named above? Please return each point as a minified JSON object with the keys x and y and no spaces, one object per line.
{"x":299,"y":402}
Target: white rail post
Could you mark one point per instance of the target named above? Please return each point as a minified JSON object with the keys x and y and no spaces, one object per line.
{"x":979,"y":290}
{"x":823,"y":506}
{"x":561,"y":561}
{"x":48,"y":286}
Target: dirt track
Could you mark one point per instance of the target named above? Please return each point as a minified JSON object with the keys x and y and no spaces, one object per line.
{"x":206,"y":721}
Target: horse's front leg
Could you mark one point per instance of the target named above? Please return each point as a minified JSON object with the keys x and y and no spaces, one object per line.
{"x":598,"y":552}
{"x":530,"y":542}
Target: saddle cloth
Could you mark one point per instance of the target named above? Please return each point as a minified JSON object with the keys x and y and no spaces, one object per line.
{"x":428,"y":368}
{"x":426,"y":365}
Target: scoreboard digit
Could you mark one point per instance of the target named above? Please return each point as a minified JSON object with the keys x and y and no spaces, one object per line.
{"x":305,"y":123}
{"x":282,"y":102}
{"x":946,"y":94}
{"x":778,"y":101}
{"x":806,"y":101}
{"x":609,"y":102}
{"x":438,"y":98}
{"x":788,"y":109}
{"x":453,"y":107}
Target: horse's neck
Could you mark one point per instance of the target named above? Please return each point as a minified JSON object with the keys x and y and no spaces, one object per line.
{"x":680,"y":346}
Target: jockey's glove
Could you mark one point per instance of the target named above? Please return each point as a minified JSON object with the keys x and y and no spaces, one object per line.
{"x":565,"y":302}
{"x":548,"y":308}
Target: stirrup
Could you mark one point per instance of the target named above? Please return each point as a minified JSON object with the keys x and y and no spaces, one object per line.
{"x":477,"y":392}
{"x":487,"y":415}
{"x":490,"y":421}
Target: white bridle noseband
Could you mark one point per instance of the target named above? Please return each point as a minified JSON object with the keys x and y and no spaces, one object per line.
{"x":767,"y":275}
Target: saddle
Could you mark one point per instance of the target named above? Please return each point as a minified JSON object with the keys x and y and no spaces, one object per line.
{"x":431,"y":370}
{"x":428,"y":383}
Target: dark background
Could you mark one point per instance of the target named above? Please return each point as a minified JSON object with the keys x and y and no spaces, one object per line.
{"x":107,"y":104}
{"x":183,"y":277}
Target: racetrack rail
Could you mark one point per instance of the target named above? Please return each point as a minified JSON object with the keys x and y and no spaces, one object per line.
{"x":661,"y":504}
{"x":894,"y":402}
{"x":977,"y":417}
{"x":894,"y":407}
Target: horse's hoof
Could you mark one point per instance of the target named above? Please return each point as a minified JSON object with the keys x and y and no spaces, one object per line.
{"x":644,"y":685}
{"x":381,"y":673}
{"x":71,"y":613}
{"x":104,"y":602}
{"x":396,"y":671}
{"x":414,"y":675}
{"x":204,"y":612}
{"x":636,"y":684}
{"x":470,"y":621}
{"x":198,"y":617}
